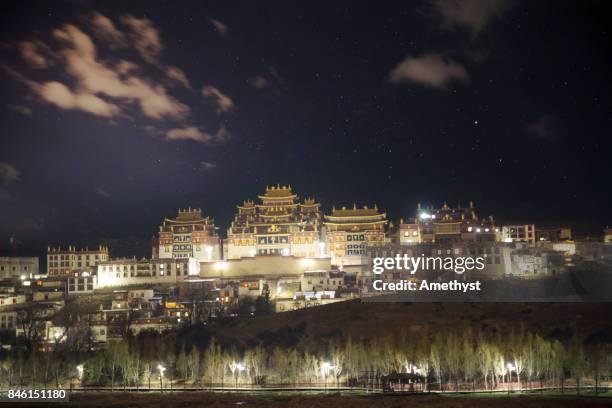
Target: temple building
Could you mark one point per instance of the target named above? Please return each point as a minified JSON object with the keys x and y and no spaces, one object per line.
{"x":188,"y":235}
{"x":64,"y":261}
{"x":279,"y":225}
{"x":447,"y":224}
{"x":349,"y":231}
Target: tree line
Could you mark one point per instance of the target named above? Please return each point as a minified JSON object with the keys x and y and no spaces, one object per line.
{"x":452,"y":360}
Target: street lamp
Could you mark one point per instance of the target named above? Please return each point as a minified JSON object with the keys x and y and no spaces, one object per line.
{"x":510,"y":369}
{"x":80,"y":371}
{"x":161,"y":369}
{"x":240,"y":367}
{"x":327,"y":366}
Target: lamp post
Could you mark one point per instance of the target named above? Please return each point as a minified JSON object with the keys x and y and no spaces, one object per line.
{"x":326,"y":368}
{"x":161,"y":369}
{"x":240,"y":367}
{"x":510,"y":369}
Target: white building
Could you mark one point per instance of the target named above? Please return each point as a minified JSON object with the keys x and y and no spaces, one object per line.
{"x":14,"y":267}
{"x":124,"y":272}
{"x":518,"y":233}
{"x":63,"y":261}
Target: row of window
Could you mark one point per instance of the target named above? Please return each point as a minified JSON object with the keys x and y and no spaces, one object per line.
{"x":72,"y":257}
{"x":14,"y":268}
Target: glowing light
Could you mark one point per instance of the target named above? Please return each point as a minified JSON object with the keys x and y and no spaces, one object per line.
{"x":222,"y":265}
{"x":486,"y":230}
{"x":425,"y":216}
{"x":477,"y":229}
{"x":321,"y":249}
{"x":306,"y":262}
{"x":511,"y":367}
{"x":209,"y":250}
{"x":470,"y":229}
{"x":161,"y":369}
{"x":240,"y":367}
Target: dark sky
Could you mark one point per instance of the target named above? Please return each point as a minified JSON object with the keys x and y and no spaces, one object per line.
{"x":115,"y":114}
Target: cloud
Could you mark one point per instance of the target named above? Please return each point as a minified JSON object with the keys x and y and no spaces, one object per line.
{"x":113,"y":86}
{"x":205,"y":166}
{"x":473,"y":15}
{"x":220,"y":27}
{"x":104,"y":29}
{"x":145,"y":37}
{"x":258,"y":82}
{"x":59,"y":95}
{"x":94,"y":77}
{"x":24,"y":110}
{"x":34,"y":54}
{"x":102,"y":192}
{"x":8,"y":173}
{"x":431,"y":70}
{"x":197,"y":135}
{"x":546,"y":127}
{"x":222,"y":102}
{"x":178,"y":75}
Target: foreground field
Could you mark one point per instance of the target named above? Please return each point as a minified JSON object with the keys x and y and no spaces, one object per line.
{"x":332,"y":400}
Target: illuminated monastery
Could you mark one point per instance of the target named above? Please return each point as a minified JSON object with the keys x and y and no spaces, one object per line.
{"x":279,"y":225}
{"x":188,"y":235}
{"x":349,"y":231}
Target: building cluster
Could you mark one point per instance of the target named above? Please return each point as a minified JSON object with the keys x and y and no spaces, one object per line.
{"x":280,"y":251}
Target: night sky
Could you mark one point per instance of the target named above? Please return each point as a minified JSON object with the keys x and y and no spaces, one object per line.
{"x":114,"y":115}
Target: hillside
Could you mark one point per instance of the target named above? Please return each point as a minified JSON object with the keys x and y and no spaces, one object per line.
{"x":556,"y":320}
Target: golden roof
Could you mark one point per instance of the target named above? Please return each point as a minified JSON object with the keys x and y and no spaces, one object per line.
{"x":278,"y":191}
{"x":355,"y":212}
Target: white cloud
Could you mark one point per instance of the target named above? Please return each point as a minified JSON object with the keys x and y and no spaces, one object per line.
{"x":220,"y":27}
{"x":34,"y":54}
{"x":113,"y":87}
{"x":205,"y":166}
{"x":178,"y":75}
{"x":104,"y":29}
{"x":222,"y":102}
{"x":432,"y":70}
{"x":145,"y":37}
{"x":24,"y":110}
{"x":197,"y":135}
{"x":471,"y":14}
{"x":9,"y":173}
{"x":94,"y":77}
{"x":59,"y":95}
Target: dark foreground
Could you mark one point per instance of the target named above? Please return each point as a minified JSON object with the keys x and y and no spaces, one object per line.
{"x":332,"y":400}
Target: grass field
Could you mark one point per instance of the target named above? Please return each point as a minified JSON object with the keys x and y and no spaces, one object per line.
{"x":330,"y":400}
